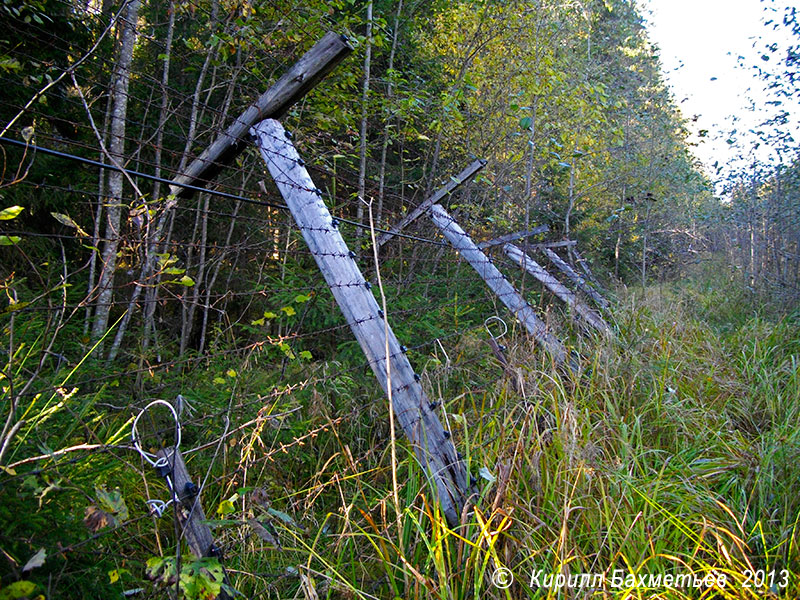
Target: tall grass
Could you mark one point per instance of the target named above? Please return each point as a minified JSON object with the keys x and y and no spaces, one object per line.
{"x":675,"y":453}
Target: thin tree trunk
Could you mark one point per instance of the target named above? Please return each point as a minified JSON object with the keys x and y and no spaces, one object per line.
{"x":529,"y":171}
{"x":570,"y":206}
{"x":98,"y":217}
{"x":362,"y":156}
{"x":153,"y":228}
{"x":115,"y":179}
{"x":387,"y":126}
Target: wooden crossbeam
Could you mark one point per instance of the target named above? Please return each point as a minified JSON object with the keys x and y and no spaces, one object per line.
{"x":510,"y":237}
{"x":414,"y":412}
{"x":440,"y":194}
{"x":579,"y":281}
{"x":561,"y":244}
{"x":291,"y":87}
{"x":557,"y":288}
{"x":502,"y":288}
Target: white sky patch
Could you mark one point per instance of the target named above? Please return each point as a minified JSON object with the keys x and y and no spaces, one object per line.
{"x":700,"y":42}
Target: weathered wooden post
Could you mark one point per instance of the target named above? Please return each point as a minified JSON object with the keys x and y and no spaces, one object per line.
{"x":415,"y":413}
{"x":459,"y":239}
{"x":510,"y":237}
{"x":293,"y":85}
{"x":186,"y":494}
{"x":442,"y":192}
{"x":585,"y":266}
{"x":555,"y":286}
{"x":579,"y":281}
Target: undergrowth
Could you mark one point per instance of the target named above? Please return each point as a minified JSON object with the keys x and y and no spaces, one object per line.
{"x":667,"y":469}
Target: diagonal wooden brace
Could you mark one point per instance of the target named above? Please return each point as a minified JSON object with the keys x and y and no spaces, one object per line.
{"x":441,"y":193}
{"x":295,"y":83}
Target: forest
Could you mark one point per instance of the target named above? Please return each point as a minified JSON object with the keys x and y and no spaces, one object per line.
{"x":389,"y":299}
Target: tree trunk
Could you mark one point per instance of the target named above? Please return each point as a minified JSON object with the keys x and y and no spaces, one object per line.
{"x":387,"y":126}
{"x":362,"y":156}
{"x":119,"y":113}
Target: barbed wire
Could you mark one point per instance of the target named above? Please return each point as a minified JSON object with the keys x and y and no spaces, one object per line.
{"x":421,"y":276}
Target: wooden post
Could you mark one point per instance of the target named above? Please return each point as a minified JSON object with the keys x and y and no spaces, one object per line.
{"x":449,"y":188}
{"x":561,"y":244}
{"x":503,"y":239}
{"x":191,"y":517}
{"x":295,"y":83}
{"x":585,"y":266}
{"x":414,"y":411}
{"x":579,"y":281}
{"x":459,"y":239}
{"x":555,"y":286}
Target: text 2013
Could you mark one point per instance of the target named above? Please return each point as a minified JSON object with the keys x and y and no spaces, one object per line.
{"x":760,"y":578}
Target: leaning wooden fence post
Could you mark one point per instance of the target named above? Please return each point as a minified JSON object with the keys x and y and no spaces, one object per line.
{"x":459,"y":239}
{"x":579,"y":281}
{"x":555,"y":286}
{"x":415,"y":413}
{"x":442,"y":192}
{"x":186,"y":495}
{"x":293,"y":85}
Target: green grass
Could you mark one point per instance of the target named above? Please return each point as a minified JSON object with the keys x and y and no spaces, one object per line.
{"x":677,"y":453}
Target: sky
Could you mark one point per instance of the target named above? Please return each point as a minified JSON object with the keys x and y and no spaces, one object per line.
{"x":700,"y":42}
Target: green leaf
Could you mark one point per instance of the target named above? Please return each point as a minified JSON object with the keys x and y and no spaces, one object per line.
{"x":187,"y":281}
{"x":226,"y":507}
{"x":112,"y":502}
{"x":287,"y":350}
{"x":300,"y":298}
{"x":525,"y":122}
{"x":289,"y":311}
{"x":10,"y":213}
{"x":286,"y":518}
{"x":67,"y":220}
{"x":269,"y":315}
{"x":9,"y":240}
{"x":174,"y":271}
{"x":18,"y":589}
{"x":230,"y":373}
{"x":257,"y":321}
{"x":306,"y":355}
{"x":218,"y":380}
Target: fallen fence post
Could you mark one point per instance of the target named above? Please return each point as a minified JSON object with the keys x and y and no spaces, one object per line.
{"x":579,"y":281}
{"x":503,"y":239}
{"x":459,"y":239}
{"x":191,"y":516}
{"x":293,"y":85}
{"x":184,"y":493}
{"x":415,"y":413}
{"x":448,"y":188}
{"x":556,"y":287}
